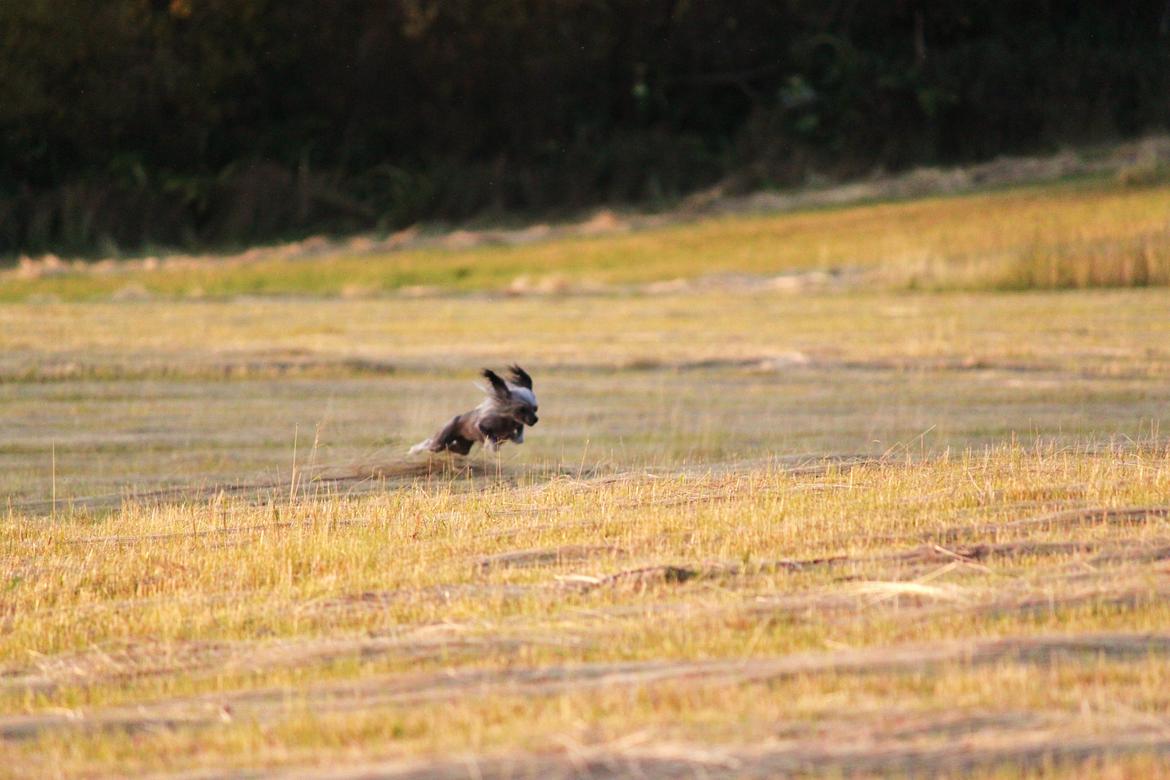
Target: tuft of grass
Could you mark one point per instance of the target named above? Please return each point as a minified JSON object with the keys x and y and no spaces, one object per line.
{"x":1074,"y":264}
{"x":1142,"y":261}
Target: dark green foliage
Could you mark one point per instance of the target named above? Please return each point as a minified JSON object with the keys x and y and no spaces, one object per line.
{"x":130,"y":122}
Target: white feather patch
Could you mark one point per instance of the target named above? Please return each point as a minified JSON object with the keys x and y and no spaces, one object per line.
{"x":523,"y":393}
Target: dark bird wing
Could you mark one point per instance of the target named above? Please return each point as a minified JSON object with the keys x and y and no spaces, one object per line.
{"x":499,"y":386}
{"x":520,"y":376}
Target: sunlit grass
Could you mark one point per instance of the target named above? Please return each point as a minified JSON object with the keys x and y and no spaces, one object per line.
{"x":1069,"y":235}
{"x":181,"y":608}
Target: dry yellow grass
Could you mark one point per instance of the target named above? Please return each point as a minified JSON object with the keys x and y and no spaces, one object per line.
{"x":1013,"y":598}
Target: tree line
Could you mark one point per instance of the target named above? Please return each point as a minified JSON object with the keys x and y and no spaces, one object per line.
{"x":128,"y":124}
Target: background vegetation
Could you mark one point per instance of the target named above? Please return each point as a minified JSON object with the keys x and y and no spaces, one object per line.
{"x":186,"y":122}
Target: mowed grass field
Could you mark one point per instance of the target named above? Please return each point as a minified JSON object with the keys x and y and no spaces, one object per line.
{"x":912,"y":522}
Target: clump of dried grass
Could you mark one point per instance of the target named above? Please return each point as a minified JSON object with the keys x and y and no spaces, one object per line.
{"x":1070,"y":263}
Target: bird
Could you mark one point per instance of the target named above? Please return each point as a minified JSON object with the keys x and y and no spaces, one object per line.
{"x":508,"y":406}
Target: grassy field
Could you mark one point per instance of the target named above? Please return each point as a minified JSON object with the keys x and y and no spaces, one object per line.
{"x":900,"y":523}
{"x":1087,"y":233}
